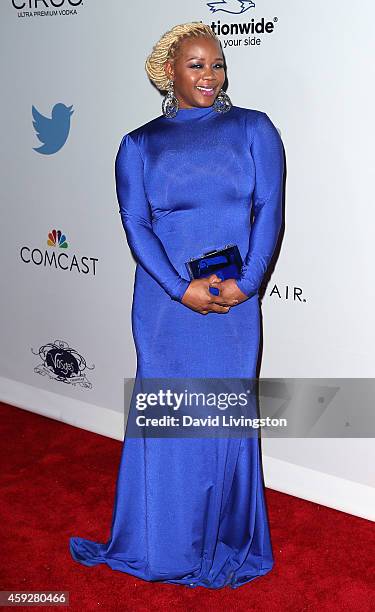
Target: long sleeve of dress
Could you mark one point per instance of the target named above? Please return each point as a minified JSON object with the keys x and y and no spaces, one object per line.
{"x":136,"y":217}
{"x":267,"y":153}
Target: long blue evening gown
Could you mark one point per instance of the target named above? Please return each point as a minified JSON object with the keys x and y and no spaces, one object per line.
{"x":192,"y":511}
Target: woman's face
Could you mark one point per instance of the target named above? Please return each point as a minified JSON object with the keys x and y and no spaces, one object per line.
{"x":198,"y":64}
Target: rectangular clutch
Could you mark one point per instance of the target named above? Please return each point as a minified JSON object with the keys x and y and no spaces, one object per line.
{"x":225,"y":263}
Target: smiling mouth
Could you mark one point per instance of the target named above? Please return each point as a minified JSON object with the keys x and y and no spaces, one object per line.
{"x":206,"y":90}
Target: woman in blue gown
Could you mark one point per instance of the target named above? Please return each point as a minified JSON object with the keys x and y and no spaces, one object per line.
{"x":192,"y":511}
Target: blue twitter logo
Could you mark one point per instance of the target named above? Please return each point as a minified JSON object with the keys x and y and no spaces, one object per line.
{"x":52,"y":132}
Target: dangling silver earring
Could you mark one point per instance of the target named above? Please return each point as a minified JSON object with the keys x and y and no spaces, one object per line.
{"x":170,"y":104}
{"x":222,"y":102}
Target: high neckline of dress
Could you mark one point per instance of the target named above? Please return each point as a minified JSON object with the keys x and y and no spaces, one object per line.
{"x":184,"y":114}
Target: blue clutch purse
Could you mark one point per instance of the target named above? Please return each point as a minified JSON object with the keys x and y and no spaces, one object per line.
{"x":225,"y":263}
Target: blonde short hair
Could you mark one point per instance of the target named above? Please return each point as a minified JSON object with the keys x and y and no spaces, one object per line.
{"x":167,"y":46}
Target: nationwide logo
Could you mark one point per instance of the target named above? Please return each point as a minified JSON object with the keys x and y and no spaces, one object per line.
{"x":243,"y":34}
{"x":52,"y":132}
{"x":62,"y":363}
{"x":51,"y":8}
{"x":236,"y":7}
{"x":52,"y":258}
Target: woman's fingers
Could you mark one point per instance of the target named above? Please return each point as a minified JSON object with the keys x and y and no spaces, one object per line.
{"x":196,"y":297}
{"x":217,"y":308}
{"x":221,"y":301}
{"x":213,"y":278}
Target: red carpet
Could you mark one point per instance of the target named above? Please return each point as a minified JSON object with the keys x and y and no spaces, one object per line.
{"x":58,"y":481}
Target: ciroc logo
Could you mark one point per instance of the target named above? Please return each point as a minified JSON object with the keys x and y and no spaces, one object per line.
{"x":46,"y":8}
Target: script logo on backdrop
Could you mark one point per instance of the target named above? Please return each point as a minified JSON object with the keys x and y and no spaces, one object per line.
{"x":53,"y":132}
{"x":62,"y":363}
{"x":54,"y":259}
{"x":46,"y":8}
{"x":243,"y":34}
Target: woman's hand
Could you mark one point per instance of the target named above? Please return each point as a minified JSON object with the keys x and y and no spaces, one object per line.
{"x":198,"y":297}
{"x":230,"y":291}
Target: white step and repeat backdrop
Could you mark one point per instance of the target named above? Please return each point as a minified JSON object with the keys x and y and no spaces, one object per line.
{"x":73,"y":83}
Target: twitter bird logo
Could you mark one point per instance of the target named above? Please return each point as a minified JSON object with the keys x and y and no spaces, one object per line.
{"x":52,"y":132}
{"x":236,"y":7}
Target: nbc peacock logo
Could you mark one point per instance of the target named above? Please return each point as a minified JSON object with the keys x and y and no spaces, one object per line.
{"x":57,"y":238}
{"x":57,"y":255}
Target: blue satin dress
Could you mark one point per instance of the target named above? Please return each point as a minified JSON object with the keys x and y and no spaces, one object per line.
{"x":192,"y":511}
